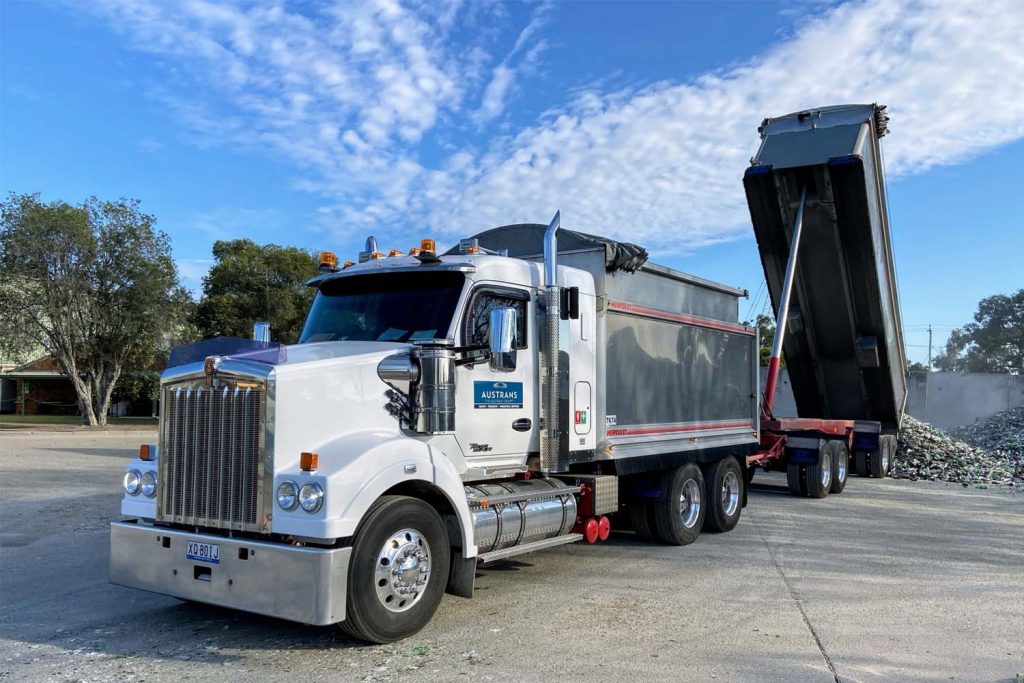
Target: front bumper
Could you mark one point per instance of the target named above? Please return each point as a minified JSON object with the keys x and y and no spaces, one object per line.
{"x":301,"y":584}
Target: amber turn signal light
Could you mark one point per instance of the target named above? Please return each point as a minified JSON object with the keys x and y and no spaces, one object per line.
{"x":308,"y":461}
{"x":145,"y":452}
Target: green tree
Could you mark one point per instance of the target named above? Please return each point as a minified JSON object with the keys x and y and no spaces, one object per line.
{"x":765,"y":325}
{"x":917,"y":367}
{"x":994,"y":342}
{"x":94,"y":285}
{"x":250,"y":282}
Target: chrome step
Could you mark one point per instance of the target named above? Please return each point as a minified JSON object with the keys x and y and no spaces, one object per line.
{"x":495,"y":555}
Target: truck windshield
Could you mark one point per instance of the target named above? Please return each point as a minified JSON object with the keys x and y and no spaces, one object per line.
{"x":392,"y":307}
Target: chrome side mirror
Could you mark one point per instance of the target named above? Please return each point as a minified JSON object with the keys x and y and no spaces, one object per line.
{"x":503,"y":339}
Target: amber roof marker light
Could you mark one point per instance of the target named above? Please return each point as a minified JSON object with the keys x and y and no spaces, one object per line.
{"x":328,"y":261}
{"x":428,"y":252}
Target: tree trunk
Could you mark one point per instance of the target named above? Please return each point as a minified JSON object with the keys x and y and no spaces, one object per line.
{"x":104,"y":389}
{"x":83,"y":392}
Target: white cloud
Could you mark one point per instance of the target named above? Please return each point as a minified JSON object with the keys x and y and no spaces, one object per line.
{"x":521,"y":60}
{"x":350,"y":93}
{"x":192,"y":272}
{"x":662,"y":164}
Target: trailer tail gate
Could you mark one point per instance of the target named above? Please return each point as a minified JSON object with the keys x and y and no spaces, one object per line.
{"x":844,"y":342}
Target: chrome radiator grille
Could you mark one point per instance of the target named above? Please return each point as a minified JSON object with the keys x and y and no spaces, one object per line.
{"x":211,"y":456}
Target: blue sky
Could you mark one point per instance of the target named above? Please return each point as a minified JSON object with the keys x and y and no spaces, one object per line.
{"x":316,"y":124}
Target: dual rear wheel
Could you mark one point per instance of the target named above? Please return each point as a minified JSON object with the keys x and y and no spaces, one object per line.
{"x":876,"y":462}
{"x":827,"y":475}
{"x":691,"y":499}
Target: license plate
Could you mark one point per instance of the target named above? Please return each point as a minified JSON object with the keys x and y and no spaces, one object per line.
{"x":204,"y":552}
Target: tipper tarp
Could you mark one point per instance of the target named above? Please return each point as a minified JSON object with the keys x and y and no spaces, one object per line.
{"x":844,"y":344}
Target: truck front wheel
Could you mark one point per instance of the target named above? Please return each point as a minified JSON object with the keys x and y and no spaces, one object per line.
{"x":399,"y":566}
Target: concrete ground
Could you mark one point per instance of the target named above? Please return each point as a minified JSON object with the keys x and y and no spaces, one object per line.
{"x":892,"y":580}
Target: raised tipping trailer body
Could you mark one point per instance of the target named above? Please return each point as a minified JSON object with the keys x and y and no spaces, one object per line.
{"x":844,"y":342}
{"x":816,"y":194}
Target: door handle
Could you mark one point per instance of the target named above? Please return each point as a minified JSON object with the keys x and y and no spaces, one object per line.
{"x":523,"y":424}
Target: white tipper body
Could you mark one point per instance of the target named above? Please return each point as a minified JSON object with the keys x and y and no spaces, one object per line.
{"x":330,"y":400}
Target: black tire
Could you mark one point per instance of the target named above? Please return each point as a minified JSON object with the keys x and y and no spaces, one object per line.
{"x":879,"y":464}
{"x":889,"y":441}
{"x":368,"y":618}
{"x":795,"y":479}
{"x":724,"y":487}
{"x":818,"y":476}
{"x":861,"y":458}
{"x":640,"y":518}
{"x":840,"y":465}
{"x":679,"y":513}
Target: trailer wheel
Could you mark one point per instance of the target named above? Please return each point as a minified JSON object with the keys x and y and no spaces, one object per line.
{"x":861,"y":458}
{"x":889,"y":443}
{"x":397,"y":574}
{"x":724,"y":488}
{"x":840,"y":465}
{"x":679,"y":514}
{"x":879,"y":463}
{"x":818,"y":476}
{"x":795,"y":479}
{"x":640,"y":517}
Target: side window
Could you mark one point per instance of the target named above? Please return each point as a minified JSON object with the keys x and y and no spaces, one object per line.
{"x":478,"y":322}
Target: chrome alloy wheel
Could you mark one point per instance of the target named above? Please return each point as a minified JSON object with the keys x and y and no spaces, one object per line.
{"x":689,"y":503}
{"x":730,"y":494}
{"x":403,"y":570}
{"x":841,"y":468}
{"x":885,"y":458}
{"x":826,"y":470}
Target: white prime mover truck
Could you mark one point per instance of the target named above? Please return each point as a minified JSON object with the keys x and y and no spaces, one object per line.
{"x":443,"y":411}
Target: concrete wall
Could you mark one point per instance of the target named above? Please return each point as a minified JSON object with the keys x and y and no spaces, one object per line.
{"x":943,"y":399}
{"x":947,"y":399}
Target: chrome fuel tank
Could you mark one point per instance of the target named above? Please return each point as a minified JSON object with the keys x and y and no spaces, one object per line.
{"x":541,"y":508}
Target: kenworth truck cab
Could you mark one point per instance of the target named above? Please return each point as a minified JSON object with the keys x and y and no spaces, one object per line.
{"x":442,"y":411}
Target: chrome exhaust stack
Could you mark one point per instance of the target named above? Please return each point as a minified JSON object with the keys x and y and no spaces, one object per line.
{"x":550,"y":434}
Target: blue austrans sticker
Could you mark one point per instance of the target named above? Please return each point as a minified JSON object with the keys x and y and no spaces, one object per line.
{"x":497,"y":394}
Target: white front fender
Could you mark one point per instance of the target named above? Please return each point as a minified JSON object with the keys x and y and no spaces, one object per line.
{"x":356,"y":470}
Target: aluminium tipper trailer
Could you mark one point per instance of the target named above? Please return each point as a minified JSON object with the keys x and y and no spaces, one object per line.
{"x":816,"y":193}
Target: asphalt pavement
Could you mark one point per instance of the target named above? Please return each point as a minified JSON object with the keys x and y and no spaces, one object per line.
{"x":892,"y":580}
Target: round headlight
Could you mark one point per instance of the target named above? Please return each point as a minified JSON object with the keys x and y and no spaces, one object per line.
{"x":132,"y":482}
{"x":288,"y":495}
{"x":149,"y":484}
{"x":311,"y":497}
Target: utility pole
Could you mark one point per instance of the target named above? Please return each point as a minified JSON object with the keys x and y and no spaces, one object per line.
{"x":929,"y":347}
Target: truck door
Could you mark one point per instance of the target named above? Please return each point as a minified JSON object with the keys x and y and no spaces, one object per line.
{"x":497,"y":411}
